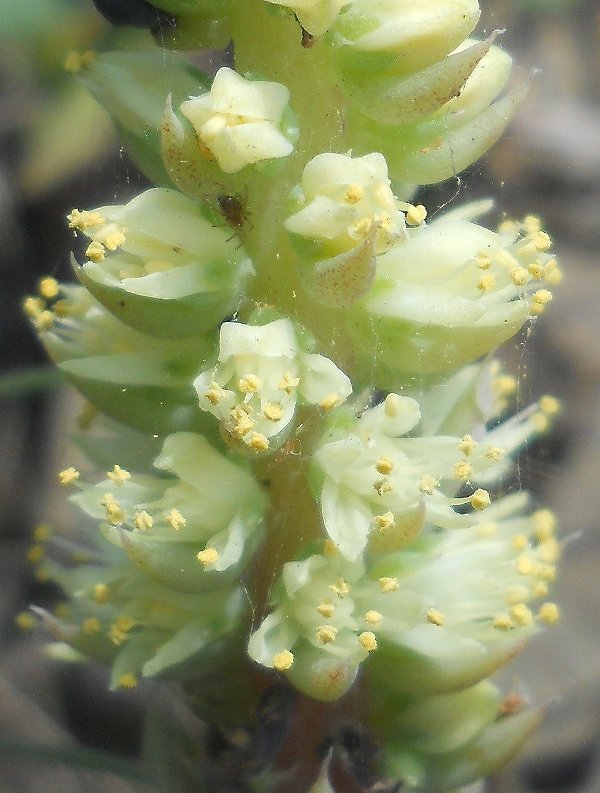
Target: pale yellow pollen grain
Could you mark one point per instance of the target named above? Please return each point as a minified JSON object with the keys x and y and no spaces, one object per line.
{"x":434,"y":616}
{"x":68,"y":476}
{"x":326,"y":609}
{"x":546,"y":572}
{"x":503,"y":622}
{"x":462,"y":470}
{"x":35,"y":554}
{"x":114,"y":240}
{"x":353,"y":194}
{"x":388,"y":584}
{"x":330,"y":401}
{"x":101,"y":593}
{"x":542,"y":296}
{"x":273,"y":411}
{"x":384,"y":465}
{"x":521,"y":615}
{"x":480,"y":499}
{"x":519,"y":542}
{"x":91,"y":625}
{"x":208,"y":556}
{"x":541,"y":240}
{"x":326,"y":634}
{"x":373,"y":617}
{"x":428,"y":484}
{"x":540,"y":422}
{"x":283,"y":661}
{"x":494,"y":453}
{"x":540,"y":589}
{"x":341,"y":587}
{"x":249,"y":384}
{"x":175,"y":519}
{"x":288,"y":383}
{"x":536,"y":309}
{"x":385,"y":522}
{"x":548,"y":613}
{"x":531,"y":224}
{"x":382,"y":486}
{"x":483,"y":261}
{"x":519,"y":276}
{"x":536,"y":270}
{"x":544,"y":524}
{"x":142,"y":520}
{"x":95,"y":251}
{"x":524,"y":565}
{"x":48,"y":288}
{"x":85,"y":219}
{"x":128,"y":680}
{"x":467,"y":445}
{"x":416,"y":215}
{"x":258,"y":442}
{"x":486,"y":283}
{"x":368,"y":641}
{"x":118,"y":475}
{"x":549,"y":405}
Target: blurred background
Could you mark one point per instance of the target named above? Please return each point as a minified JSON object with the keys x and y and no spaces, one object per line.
{"x":58,"y":150}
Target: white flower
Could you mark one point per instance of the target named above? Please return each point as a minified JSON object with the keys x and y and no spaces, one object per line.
{"x":341,"y":198}
{"x":259,"y":378}
{"x":315,"y":16}
{"x":239,"y":121}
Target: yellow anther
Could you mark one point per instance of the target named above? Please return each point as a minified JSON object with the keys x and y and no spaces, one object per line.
{"x":504,"y":385}
{"x":462,"y":470}
{"x":373,"y":617}
{"x":520,"y":614}
{"x":508,"y":226}
{"x":142,"y":520}
{"x":368,"y":641}
{"x":353,"y":194}
{"x":547,"y":572}
{"x":531,"y":224}
{"x":101,"y":593}
{"x":494,"y":453}
{"x":91,"y":625}
{"x":467,"y":445}
{"x":84,"y":220}
{"x":35,"y":554}
{"x":434,"y":616}
{"x":48,"y":288}
{"x":486,"y":283}
{"x":44,"y":321}
{"x":326,"y":609}
{"x":41,"y":574}
{"x":249,"y":384}
{"x":519,"y":542}
{"x":124,"y":623}
{"x":282,"y":661}
{"x":503,"y":622}
{"x":75,"y":61}
{"x":483,"y":261}
{"x":428,"y":484}
{"x":392,"y":406}
{"x":536,"y":270}
{"x":25,"y":621}
{"x":540,"y":422}
{"x":387,"y":584}
{"x":243,"y":424}
{"x":207,"y":557}
{"x":215,"y":393}
{"x":33,"y":307}
{"x":548,"y":613}
{"x":68,"y":476}
{"x":416,"y":215}
{"x":42,"y":532}
{"x":118,"y":475}
{"x":95,"y":251}
{"x":128,"y":680}
{"x":329,"y":548}
{"x":384,"y":466}
{"x":330,"y":401}
{"x":536,"y":309}
{"x":552,"y":273}
{"x":341,"y":587}
{"x":385,"y":521}
{"x":549,"y":551}
{"x":116,"y":635}
{"x":382,"y":486}
{"x":540,"y":589}
{"x":544,"y":524}
{"x":524,"y":565}
{"x":288,"y":383}
{"x":516,"y":593}
{"x":480,"y":499}
{"x":541,"y":240}
{"x":519,"y":276}
{"x":542,"y":296}
{"x":549,"y":405}
{"x":114,"y":240}
{"x":114,"y":514}
{"x":326,"y":634}
{"x":272,"y":411}
{"x":258,"y":442}
{"x":175,"y":519}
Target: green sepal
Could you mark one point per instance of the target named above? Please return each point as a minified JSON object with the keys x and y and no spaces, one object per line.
{"x":132,"y":88}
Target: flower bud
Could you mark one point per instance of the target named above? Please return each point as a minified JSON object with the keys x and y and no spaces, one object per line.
{"x":159,"y":266}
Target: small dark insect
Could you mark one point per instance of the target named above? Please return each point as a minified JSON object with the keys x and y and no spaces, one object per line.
{"x":232,"y":210}
{"x":134,"y":13}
